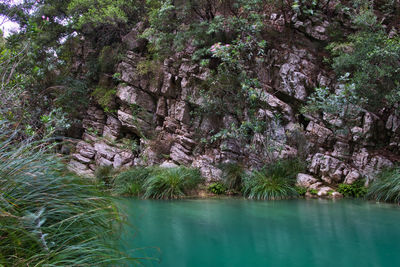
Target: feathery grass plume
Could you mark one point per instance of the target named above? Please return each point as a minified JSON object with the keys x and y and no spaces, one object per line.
{"x":275,"y":181}
{"x":49,"y":217}
{"x":386,"y":186}
{"x":171,"y":183}
{"x":130,"y":182}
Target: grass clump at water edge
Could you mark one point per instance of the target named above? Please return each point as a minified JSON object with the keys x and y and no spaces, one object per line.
{"x":171,"y":183}
{"x":386,"y":186}
{"x":49,"y":217}
{"x":274,"y":181}
{"x":155,"y":182}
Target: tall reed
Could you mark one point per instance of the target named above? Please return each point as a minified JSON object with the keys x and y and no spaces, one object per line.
{"x":49,"y":217}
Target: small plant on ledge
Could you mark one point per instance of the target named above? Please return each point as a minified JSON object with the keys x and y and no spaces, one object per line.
{"x":217,"y":188}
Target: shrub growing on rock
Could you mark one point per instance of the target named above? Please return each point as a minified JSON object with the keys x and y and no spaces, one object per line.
{"x":356,"y":190}
{"x":386,"y":186}
{"x":301,"y":191}
{"x":217,"y":188}
{"x":171,"y":183}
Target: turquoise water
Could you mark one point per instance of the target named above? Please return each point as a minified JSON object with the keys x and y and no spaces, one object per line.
{"x":237,"y":232}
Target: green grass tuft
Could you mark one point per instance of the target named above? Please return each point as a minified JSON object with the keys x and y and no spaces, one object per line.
{"x":386,"y":186}
{"x":275,"y":181}
{"x":130,"y":182}
{"x":171,"y":183}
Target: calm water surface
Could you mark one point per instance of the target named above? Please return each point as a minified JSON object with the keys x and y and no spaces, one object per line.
{"x":237,"y":232}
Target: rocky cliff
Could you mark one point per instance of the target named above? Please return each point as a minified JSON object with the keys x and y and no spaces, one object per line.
{"x":154,"y":120}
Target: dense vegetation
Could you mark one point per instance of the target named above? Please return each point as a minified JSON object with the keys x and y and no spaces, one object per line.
{"x":49,"y":217}
{"x":52,"y":218}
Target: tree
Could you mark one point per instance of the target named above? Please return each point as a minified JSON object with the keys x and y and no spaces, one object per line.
{"x":373,"y":60}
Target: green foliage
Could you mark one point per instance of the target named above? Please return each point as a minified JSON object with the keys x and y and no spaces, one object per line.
{"x":98,"y":12}
{"x":71,"y":95}
{"x":301,"y":191}
{"x":275,"y":181}
{"x":386,"y":186}
{"x":48,"y":217}
{"x":305,"y":7}
{"x":108,"y":58}
{"x":171,"y":183}
{"x":217,"y":188}
{"x":343,"y":106}
{"x":104,"y":174}
{"x":371,"y":57}
{"x":233,"y":175}
{"x":313,"y":192}
{"x":130,"y":182}
{"x":104,"y":96}
{"x":356,"y":190}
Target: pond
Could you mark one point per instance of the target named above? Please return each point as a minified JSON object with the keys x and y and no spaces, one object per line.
{"x":238,"y":232}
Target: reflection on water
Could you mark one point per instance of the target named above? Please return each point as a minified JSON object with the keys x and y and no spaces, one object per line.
{"x":236,"y":232}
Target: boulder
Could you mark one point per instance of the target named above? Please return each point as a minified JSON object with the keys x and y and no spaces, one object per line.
{"x":305,"y":180}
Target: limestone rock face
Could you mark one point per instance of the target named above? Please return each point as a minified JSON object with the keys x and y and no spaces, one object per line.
{"x":180,"y":154}
{"x":320,"y":134}
{"x":329,"y":168}
{"x":207,"y":169}
{"x":156,"y":120}
{"x":131,"y":95}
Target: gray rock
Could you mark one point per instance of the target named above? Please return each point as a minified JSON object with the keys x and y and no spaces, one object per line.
{"x":330,"y":168}
{"x":131,"y":95}
{"x":135,"y":124}
{"x":182,"y":112}
{"x":393,"y":123}
{"x":351,"y":177}
{"x":305,"y":180}
{"x":81,"y":158}
{"x":207,"y":169}
{"x":168,"y":164}
{"x":121,"y":159}
{"x":180,"y":154}
{"x":105,"y":150}
{"x":85,"y":149}
{"x":162,"y":107}
{"x":341,"y":150}
{"x":80,"y":169}
{"x":320,"y":134}
{"x":103,"y":162}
